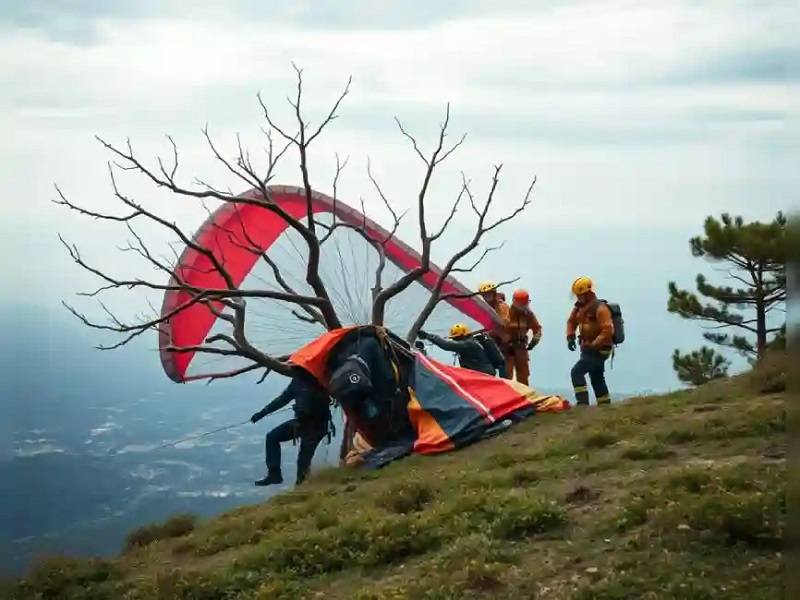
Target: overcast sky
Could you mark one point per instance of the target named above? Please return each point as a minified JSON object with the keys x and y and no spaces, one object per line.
{"x":638,"y":119}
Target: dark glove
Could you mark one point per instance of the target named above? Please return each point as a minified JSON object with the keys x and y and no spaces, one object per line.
{"x":532,"y":344}
{"x":423,"y":335}
{"x":571,"y":343}
{"x":257,"y":416}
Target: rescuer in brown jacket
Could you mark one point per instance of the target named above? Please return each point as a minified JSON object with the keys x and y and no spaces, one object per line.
{"x":591,"y":318}
{"x":497,"y":300}
{"x":515,"y":343}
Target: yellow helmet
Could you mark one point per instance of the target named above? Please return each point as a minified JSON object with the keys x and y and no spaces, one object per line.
{"x":459,"y":330}
{"x":582,"y":285}
{"x":487,"y":286}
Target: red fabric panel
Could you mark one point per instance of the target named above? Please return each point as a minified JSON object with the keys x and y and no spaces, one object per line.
{"x":224,"y":234}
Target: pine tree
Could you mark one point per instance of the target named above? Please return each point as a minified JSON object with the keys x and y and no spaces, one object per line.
{"x":699,"y":366}
{"x":754,"y":256}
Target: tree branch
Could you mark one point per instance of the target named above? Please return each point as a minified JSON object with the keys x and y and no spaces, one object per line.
{"x":236,"y":373}
{"x":379,"y":245}
{"x":302,"y":141}
{"x":475,"y":293}
{"x":312,"y":315}
{"x":438,"y":155}
{"x":480,"y":231}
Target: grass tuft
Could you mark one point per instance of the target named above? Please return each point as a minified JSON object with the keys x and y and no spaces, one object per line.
{"x":601,"y":439}
{"x":406,"y":497}
{"x":648,"y":451}
{"x":173,"y":527}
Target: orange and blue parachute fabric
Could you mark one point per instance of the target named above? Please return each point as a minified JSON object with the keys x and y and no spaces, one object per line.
{"x":451,"y":407}
{"x":448,"y":406}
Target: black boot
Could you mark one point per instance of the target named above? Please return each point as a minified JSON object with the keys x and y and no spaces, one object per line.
{"x":581,"y":395}
{"x":302,"y":472}
{"x":272,"y":478}
{"x":301,"y":476}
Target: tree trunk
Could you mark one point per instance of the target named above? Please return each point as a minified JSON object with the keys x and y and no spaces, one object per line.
{"x":761,"y":313}
{"x":761,"y":328}
{"x":378,"y":313}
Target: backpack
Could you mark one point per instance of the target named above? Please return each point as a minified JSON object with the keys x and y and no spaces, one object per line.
{"x":490,"y":348}
{"x":616,"y":319}
{"x":351,"y":379}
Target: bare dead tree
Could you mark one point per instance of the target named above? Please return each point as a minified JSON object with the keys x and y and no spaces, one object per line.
{"x":228,"y":301}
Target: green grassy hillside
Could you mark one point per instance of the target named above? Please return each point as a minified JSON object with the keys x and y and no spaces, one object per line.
{"x":676,"y":496}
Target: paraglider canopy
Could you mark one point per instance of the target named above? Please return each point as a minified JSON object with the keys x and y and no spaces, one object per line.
{"x":237,"y":235}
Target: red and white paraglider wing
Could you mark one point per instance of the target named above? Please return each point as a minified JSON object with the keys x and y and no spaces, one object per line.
{"x":231,"y":234}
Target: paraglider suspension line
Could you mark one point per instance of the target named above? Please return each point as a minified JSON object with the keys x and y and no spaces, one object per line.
{"x":200,"y":435}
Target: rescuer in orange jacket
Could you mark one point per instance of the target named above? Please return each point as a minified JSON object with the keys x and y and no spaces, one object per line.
{"x":516,"y":344}
{"x":488,"y":291}
{"x":592,"y":319}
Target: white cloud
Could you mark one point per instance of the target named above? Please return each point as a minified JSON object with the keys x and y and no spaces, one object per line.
{"x":578,"y":45}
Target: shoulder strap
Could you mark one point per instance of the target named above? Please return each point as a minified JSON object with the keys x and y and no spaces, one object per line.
{"x":596,"y":304}
{"x":477,"y":338}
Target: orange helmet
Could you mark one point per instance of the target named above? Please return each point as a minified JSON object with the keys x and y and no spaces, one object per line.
{"x":521,"y":297}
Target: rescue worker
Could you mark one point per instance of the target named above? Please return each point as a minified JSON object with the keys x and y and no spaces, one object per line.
{"x":516,"y":344}
{"x":592,"y":320}
{"x":497,"y":300}
{"x":310,"y":424}
{"x":472,"y":354}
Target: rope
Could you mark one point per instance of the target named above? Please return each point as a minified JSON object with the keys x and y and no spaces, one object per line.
{"x":200,"y":435}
